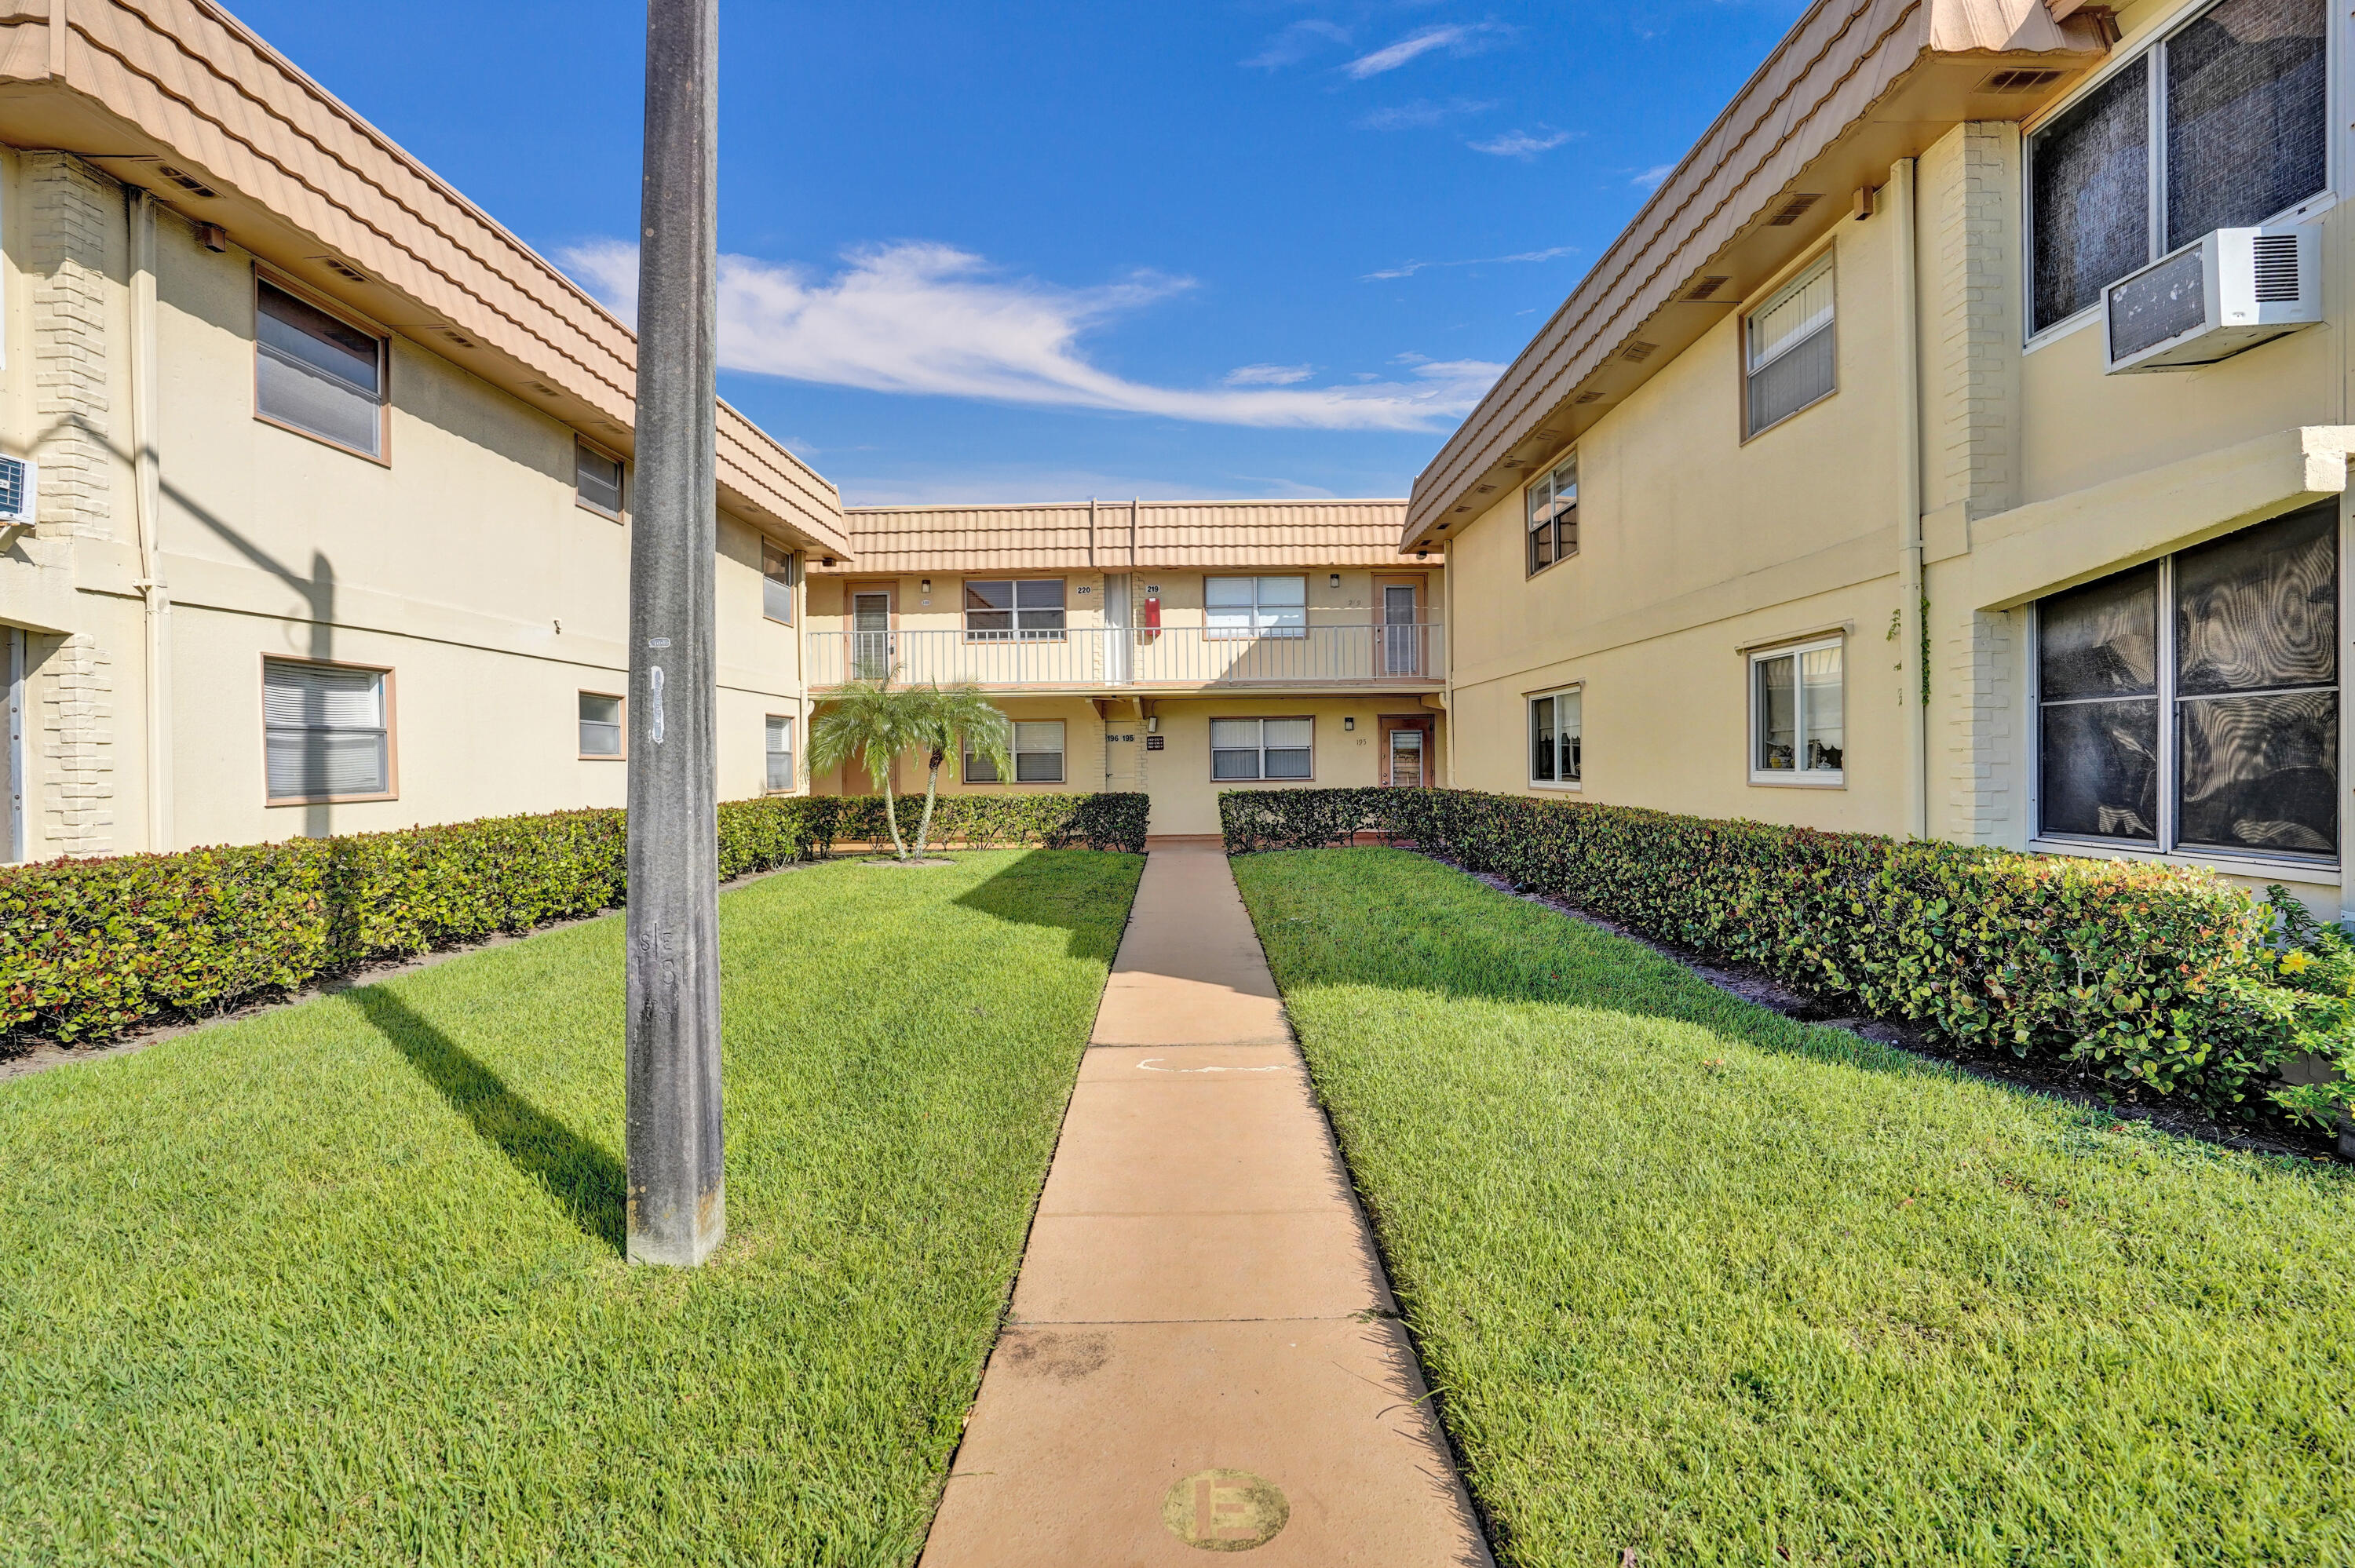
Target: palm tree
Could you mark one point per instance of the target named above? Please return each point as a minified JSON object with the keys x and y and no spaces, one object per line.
{"x":874,"y":722}
{"x":942,"y":719}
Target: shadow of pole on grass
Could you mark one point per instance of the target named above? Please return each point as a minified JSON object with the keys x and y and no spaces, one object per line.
{"x":579,"y":1174}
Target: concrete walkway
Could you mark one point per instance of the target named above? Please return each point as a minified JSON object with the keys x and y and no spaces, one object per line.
{"x":1201,"y":1355}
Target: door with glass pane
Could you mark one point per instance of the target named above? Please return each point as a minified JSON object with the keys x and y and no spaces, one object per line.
{"x":870,"y":635}
{"x":1406,"y":750}
{"x":1401,"y":635}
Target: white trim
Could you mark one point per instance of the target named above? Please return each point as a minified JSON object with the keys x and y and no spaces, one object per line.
{"x":12,"y":732}
{"x":1529,"y":737}
{"x":1795,"y":776}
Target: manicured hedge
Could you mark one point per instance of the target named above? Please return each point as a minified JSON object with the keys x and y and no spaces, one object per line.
{"x":91,"y":947}
{"x":2163,"y":979}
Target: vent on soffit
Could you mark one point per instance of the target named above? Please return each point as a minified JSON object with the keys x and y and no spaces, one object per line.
{"x":186,"y":182}
{"x":1585,"y":398}
{"x":454,"y":335}
{"x":542,"y":388}
{"x":1702,"y":287}
{"x":342,"y":268}
{"x":1637,"y":352}
{"x":1791,"y":211}
{"x":2025,"y":80}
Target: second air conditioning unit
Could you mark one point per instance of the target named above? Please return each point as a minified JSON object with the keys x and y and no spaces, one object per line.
{"x":2224,"y":293}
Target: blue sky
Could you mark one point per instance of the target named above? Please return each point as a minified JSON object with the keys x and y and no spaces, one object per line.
{"x":1033,"y":250}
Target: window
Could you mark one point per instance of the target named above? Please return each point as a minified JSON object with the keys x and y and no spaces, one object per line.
{"x":1023,"y":611}
{"x":1553,"y":516}
{"x":1554,"y":725}
{"x":317,"y":373}
{"x":2193,"y":703}
{"x":1263,"y":748}
{"x":601,"y":725}
{"x":1787,"y":349}
{"x":779,"y":745}
{"x":1038,"y":749}
{"x":323,"y":732}
{"x":1235,"y":607}
{"x":2223,"y":123}
{"x":1797,"y":735}
{"x":780,"y":570}
{"x":596,"y":479}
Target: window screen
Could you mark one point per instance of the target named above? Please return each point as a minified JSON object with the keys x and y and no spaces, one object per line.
{"x":2240,"y":95}
{"x":1263,"y":748}
{"x":1038,"y":748}
{"x":2251,"y":693}
{"x":316,"y":372}
{"x":2247,"y":115}
{"x":601,"y":725}
{"x":1255,"y":606}
{"x":779,"y":572}
{"x":1554,"y":738}
{"x":1554,"y":515}
{"x":323,"y":732}
{"x":780,"y":749}
{"x":1023,"y":611}
{"x":1789,"y":347}
{"x":596,"y":479}
{"x":1798,"y":716}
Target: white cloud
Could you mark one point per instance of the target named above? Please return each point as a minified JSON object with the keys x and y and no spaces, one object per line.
{"x":1650,"y":178}
{"x":1456,"y":38}
{"x":1520,"y":144}
{"x":931,"y":320}
{"x":1296,"y":43}
{"x":1266,"y":375}
{"x":1408,"y":268}
{"x":1421,"y":114}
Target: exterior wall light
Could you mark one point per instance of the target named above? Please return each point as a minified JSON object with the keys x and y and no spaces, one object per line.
{"x":1348,"y":722}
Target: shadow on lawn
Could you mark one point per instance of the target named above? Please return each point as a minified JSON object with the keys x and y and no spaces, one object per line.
{"x":579,"y":1174}
{"x":1062,"y":889}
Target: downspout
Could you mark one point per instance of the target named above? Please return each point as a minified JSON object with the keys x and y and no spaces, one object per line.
{"x":1913,"y":601}
{"x":147,"y":501}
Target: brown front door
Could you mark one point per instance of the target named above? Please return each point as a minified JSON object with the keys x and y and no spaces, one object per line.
{"x":1407,"y":757}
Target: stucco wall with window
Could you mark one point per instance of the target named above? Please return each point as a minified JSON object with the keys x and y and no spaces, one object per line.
{"x":459,"y":561}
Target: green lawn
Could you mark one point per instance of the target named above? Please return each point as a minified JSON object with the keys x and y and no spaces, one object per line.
{"x":1696,"y":1280}
{"x":342,"y":1283}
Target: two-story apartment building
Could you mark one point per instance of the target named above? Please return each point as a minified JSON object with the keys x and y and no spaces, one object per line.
{"x":1939,"y":452}
{"x":329,"y":514}
{"x":1175,"y":648}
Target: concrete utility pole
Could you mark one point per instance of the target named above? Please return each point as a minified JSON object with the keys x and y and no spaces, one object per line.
{"x":677,"y":1204}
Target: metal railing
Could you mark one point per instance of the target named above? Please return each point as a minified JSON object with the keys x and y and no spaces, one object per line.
{"x":1096,"y":656}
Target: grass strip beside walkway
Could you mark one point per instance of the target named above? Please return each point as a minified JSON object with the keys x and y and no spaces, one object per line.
{"x":343,"y":1282}
{"x":1701,"y":1281}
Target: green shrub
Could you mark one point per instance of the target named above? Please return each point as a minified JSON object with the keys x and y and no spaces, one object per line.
{"x":91,"y":947}
{"x":2165,"y":981}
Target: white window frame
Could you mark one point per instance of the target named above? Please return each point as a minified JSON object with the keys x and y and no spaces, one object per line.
{"x":621,"y":724}
{"x":1261,"y":625}
{"x":1824,"y":263}
{"x":976,"y":765}
{"x":1797,"y":777}
{"x":1550,"y":478}
{"x":1529,"y":735}
{"x":1263,"y":748}
{"x":1016,"y":632}
{"x":780,"y":569}
{"x":582,"y":444}
{"x":385,"y":713}
{"x":2149,"y":45}
{"x":2164,"y":846}
{"x":769,"y":755}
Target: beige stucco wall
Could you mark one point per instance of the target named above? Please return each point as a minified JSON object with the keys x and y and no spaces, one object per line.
{"x":2037,"y":471}
{"x":463,"y":563}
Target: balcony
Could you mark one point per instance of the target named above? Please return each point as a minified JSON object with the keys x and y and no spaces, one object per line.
{"x":1183,"y":658}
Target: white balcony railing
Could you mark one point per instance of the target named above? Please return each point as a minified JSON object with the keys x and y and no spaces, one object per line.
{"x":1093,"y":657}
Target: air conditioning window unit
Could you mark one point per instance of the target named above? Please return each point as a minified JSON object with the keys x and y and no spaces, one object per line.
{"x":20,"y":490}
{"x":2226,"y":293}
